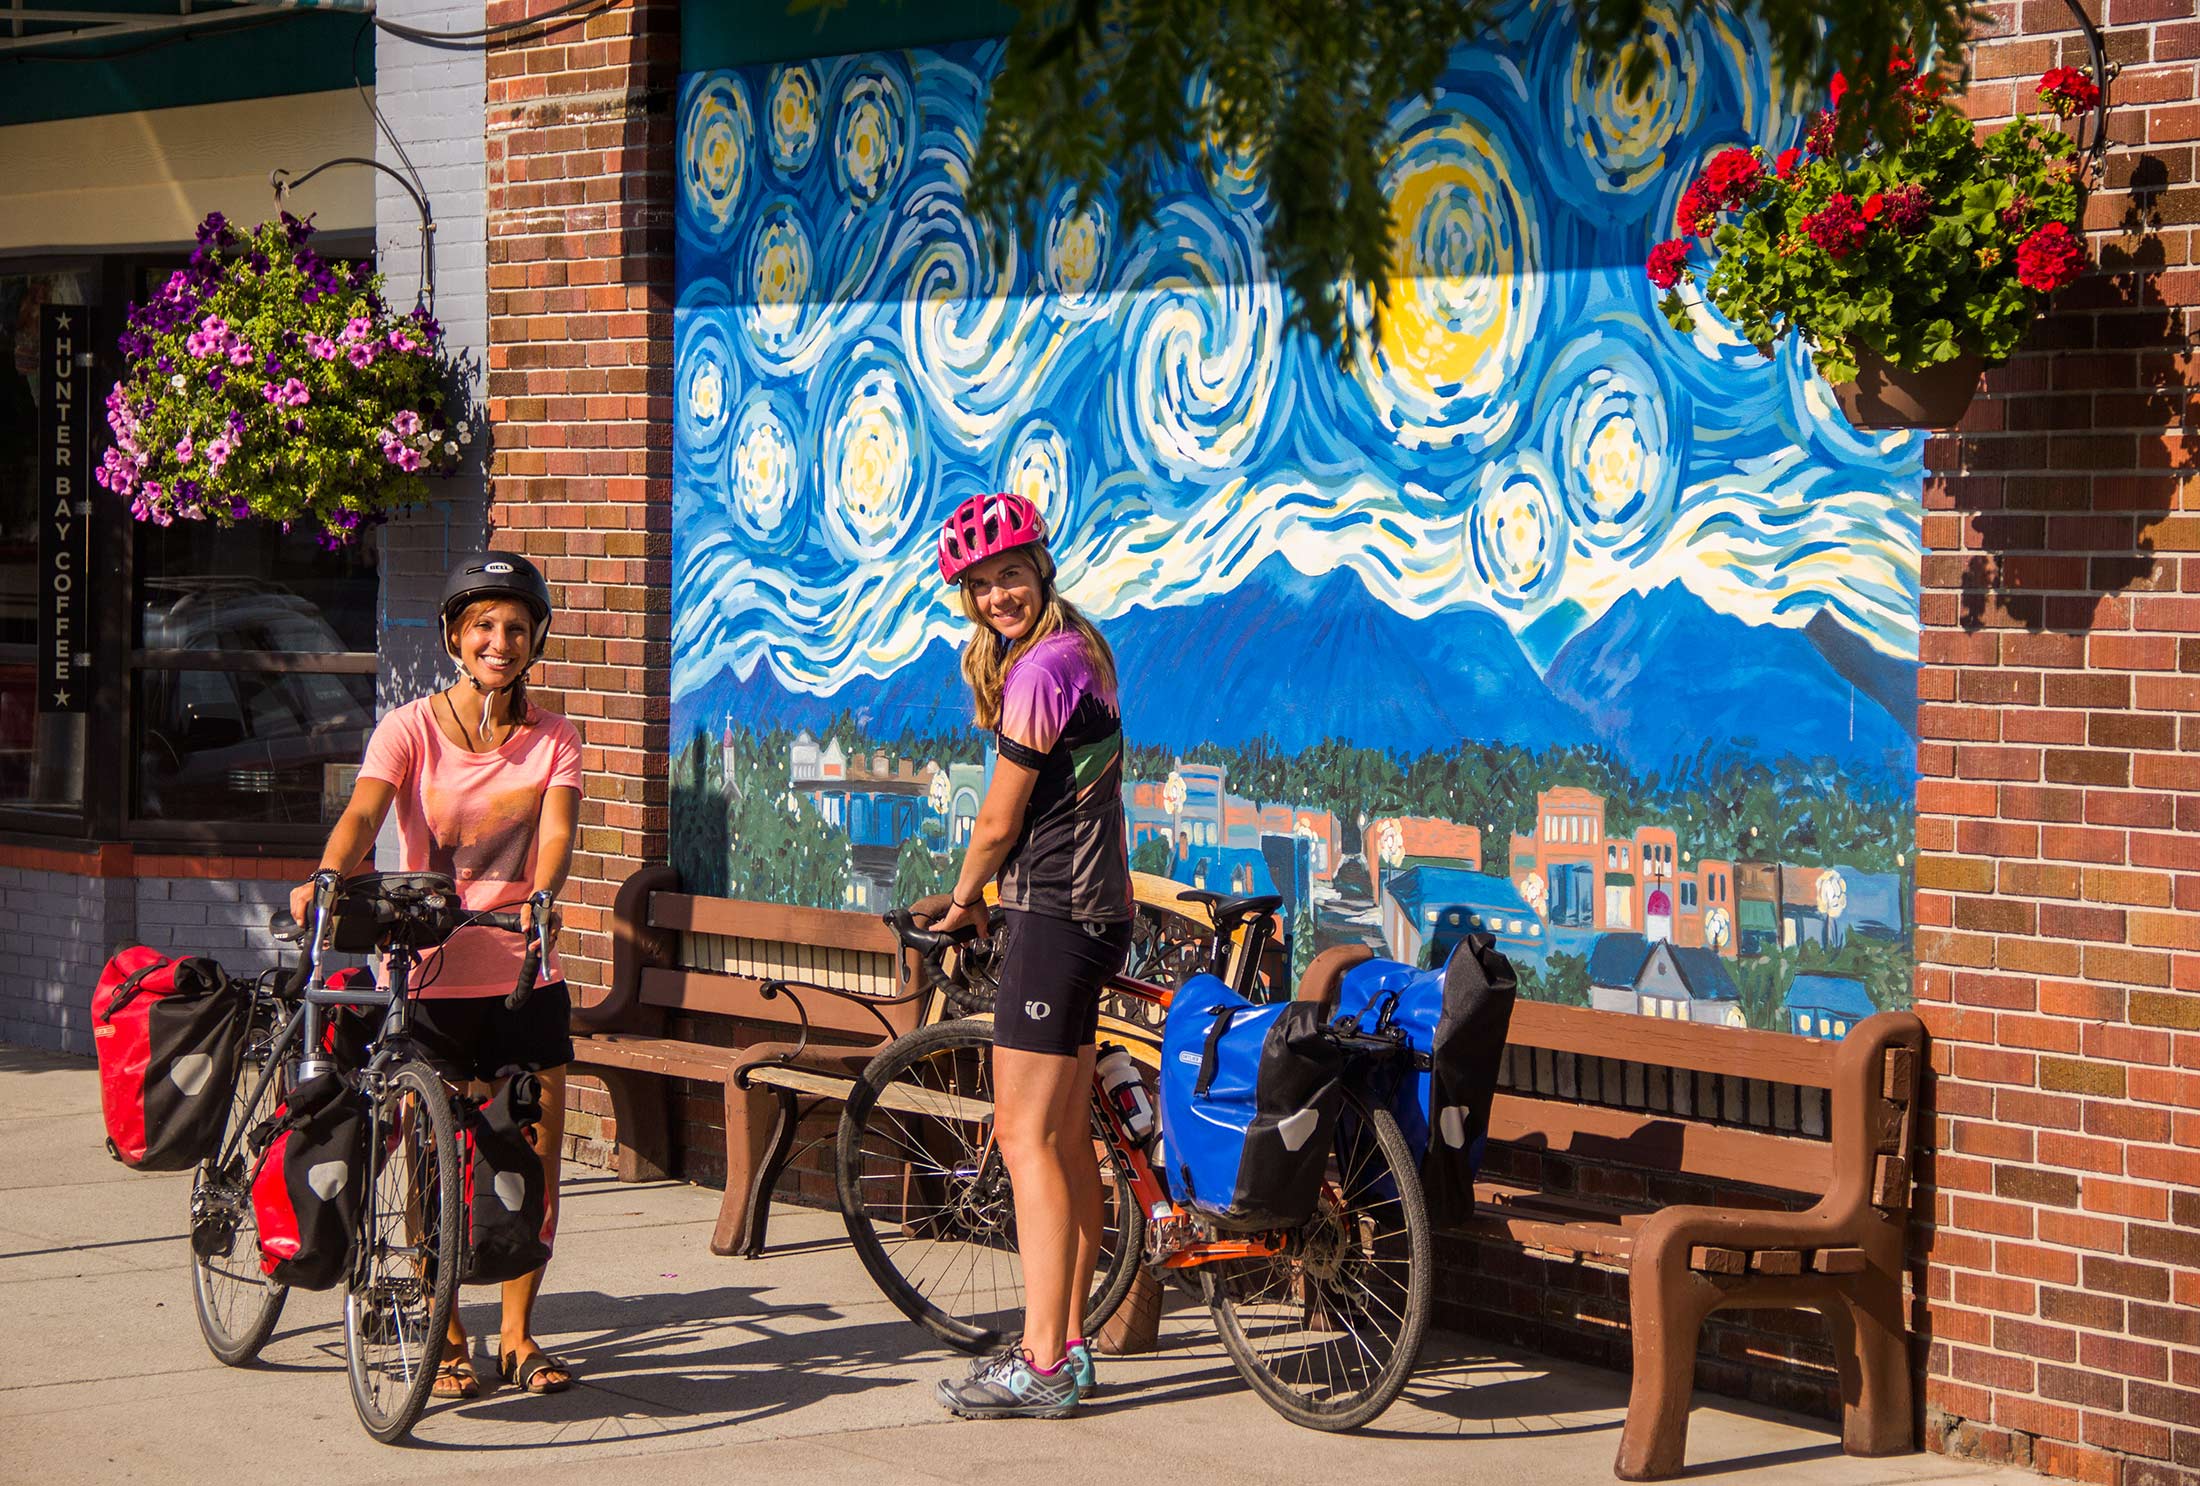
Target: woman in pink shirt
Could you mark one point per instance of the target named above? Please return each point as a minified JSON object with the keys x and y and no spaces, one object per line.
{"x":487,"y":790}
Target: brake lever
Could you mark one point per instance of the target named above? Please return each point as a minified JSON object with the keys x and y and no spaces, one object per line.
{"x":538,"y":951}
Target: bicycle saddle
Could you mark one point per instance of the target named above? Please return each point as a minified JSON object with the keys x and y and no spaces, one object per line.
{"x":1228,"y":913}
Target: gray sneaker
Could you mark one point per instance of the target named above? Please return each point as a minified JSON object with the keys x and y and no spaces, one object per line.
{"x":1009,"y":1387}
{"x":1080,"y":1358}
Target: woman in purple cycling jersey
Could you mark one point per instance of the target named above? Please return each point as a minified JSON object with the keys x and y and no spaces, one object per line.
{"x":1051,"y":827}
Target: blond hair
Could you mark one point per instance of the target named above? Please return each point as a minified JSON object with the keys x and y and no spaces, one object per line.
{"x":986,"y":662}
{"x":521,"y":711}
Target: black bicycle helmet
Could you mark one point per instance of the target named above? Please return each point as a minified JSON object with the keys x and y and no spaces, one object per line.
{"x":497,"y":575}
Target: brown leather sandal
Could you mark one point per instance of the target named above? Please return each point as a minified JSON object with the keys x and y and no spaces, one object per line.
{"x":528,"y":1372}
{"x":455,"y":1378}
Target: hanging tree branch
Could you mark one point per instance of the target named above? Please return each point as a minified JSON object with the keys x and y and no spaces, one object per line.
{"x":1100,"y":95}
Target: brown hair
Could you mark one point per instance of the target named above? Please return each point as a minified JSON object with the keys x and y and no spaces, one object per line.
{"x":522,"y":712}
{"x":986,"y":662}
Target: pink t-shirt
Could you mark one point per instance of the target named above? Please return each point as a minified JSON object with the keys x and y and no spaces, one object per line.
{"x":472,"y":816}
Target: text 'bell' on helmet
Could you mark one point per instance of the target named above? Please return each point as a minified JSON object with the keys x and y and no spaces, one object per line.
{"x":985,"y":526}
{"x":497,"y":575}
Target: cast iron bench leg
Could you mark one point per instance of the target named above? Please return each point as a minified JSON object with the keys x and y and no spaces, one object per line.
{"x":749,"y":1115}
{"x":768,"y":1170}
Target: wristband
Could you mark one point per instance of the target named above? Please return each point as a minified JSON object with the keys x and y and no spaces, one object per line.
{"x":959,"y":903}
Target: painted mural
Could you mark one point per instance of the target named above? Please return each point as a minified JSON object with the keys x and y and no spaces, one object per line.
{"x":1536,"y":617}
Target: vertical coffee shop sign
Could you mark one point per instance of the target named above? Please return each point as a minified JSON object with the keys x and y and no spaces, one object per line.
{"x":65,"y":505}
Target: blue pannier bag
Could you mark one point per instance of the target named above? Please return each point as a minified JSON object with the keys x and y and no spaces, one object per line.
{"x":1249,"y":1102}
{"x":1457,"y":1017}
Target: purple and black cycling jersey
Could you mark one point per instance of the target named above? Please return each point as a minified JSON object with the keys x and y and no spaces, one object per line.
{"x":1057,"y":718}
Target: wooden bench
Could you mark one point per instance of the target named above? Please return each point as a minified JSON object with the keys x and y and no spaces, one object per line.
{"x":1815,"y":1140}
{"x":813,"y":994}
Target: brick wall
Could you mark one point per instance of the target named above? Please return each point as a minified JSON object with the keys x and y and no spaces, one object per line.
{"x":579,"y":390}
{"x":63,"y":913}
{"x":2059,"y":824}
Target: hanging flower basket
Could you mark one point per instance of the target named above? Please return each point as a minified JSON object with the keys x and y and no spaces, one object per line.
{"x":1908,"y":267}
{"x":1884,"y":396}
{"x":266,"y":382}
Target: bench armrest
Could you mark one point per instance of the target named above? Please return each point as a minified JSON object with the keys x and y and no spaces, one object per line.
{"x":635,"y":946}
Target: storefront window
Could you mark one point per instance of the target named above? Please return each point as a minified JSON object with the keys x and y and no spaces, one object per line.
{"x":41,"y":754}
{"x":253,"y":673}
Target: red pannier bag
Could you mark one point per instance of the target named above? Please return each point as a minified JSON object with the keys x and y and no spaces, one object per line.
{"x":507,"y":1224}
{"x":170,"y":1037}
{"x":307,"y":1190}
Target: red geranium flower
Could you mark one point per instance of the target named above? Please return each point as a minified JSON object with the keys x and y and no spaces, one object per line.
{"x":1785,"y":165}
{"x":1838,"y":90}
{"x":1838,"y":226}
{"x":2068,"y":91}
{"x":1819,"y":141}
{"x":1668,"y":261}
{"x":2050,"y":258}
{"x":1873,"y":205}
{"x":1732,"y":178}
{"x":1901,"y":62}
{"x":1695,"y":216}
{"x":1908,"y":207}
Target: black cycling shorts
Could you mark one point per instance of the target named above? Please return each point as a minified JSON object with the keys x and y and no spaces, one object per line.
{"x":475,"y":1037}
{"x":1052,"y":973}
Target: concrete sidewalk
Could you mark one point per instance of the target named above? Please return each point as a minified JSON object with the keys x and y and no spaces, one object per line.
{"x":696,"y":1368}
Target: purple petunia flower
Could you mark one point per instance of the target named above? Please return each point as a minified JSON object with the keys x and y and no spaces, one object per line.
{"x":241,"y":354}
{"x":407,"y":423}
{"x":185,"y":449}
{"x":361,"y":355}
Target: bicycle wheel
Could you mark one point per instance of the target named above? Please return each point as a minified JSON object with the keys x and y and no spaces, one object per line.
{"x":404,"y":1272}
{"x":237,"y":1303}
{"x":927,"y":1200}
{"x":1327,"y":1332}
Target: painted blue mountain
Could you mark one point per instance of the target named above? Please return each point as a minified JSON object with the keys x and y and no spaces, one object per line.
{"x":1300,"y":659}
{"x":1661,"y":674}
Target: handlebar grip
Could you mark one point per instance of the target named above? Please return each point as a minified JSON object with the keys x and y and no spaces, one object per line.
{"x":508,"y":921}
{"x":529,"y":965}
{"x":925,"y":941}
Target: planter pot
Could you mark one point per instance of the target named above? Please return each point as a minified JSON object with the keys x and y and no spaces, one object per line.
{"x":1884,"y":396}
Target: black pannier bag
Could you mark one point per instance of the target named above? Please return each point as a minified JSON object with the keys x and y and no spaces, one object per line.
{"x":311,"y":1182}
{"x":1249,"y":1103}
{"x":1458,"y":1016}
{"x":170,"y":1036}
{"x":506,"y":1210}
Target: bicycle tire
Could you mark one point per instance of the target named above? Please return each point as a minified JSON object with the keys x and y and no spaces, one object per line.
{"x":882,"y":1145}
{"x":237,"y":1304}
{"x":397,"y":1304}
{"x":1372,"y":1205}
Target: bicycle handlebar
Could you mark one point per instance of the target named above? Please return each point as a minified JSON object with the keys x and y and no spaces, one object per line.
{"x":284,"y":926}
{"x":926,"y":942}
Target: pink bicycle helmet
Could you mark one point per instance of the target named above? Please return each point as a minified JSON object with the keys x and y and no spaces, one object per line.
{"x":985,"y":526}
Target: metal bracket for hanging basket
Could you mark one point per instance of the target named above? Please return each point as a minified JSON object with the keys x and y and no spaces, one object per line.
{"x":2104,"y":72}
{"x":280,"y":182}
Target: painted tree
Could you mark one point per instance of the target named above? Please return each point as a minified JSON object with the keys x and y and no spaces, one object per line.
{"x":699,"y":846}
{"x":1101,"y":94}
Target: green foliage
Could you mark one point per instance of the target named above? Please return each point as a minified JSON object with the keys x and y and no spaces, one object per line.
{"x":265,"y":381}
{"x":1933,"y":270}
{"x":1097,"y":94}
{"x":780,"y":849}
{"x":919,"y":874}
{"x":1152,"y":856}
{"x":1764,"y":984}
{"x":699,"y":844}
{"x":1563,"y":979}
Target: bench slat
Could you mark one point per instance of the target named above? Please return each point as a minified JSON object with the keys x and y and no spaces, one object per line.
{"x":740,"y":995}
{"x":659,"y":1055}
{"x":808,"y":926}
{"x":1663,"y":1144}
{"x":1779,"y":1057}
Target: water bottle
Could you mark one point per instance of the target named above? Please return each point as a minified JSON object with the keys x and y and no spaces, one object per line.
{"x":1126,"y":1092}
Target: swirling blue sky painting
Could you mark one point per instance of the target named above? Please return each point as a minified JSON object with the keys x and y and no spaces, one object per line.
{"x":1534,"y":616}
